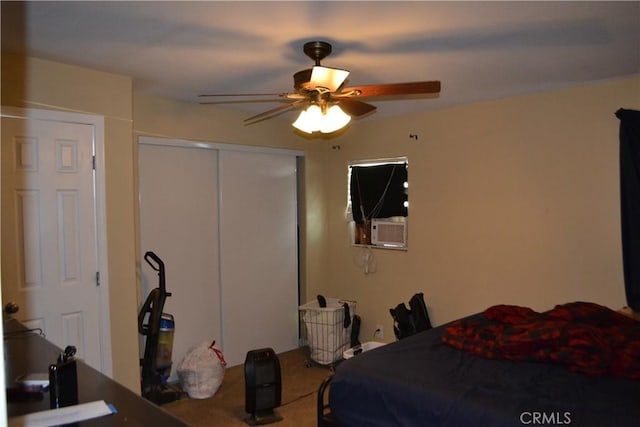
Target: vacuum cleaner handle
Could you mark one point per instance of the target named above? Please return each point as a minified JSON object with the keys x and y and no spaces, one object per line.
{"x":149,"y":256}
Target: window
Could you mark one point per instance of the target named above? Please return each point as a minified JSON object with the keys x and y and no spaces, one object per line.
{"x":378,"y":202}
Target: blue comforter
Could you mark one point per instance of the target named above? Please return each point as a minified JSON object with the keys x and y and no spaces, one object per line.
{"x":419,"y":381}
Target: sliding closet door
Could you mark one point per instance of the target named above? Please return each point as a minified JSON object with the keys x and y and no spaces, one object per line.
{"x":258,"y":256}
{"x":179,"y":222}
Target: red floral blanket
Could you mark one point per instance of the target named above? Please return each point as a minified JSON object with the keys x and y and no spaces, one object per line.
{"x":585,"y":337}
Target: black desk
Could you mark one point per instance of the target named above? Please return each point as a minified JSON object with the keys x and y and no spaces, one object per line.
{"x":31,"y":353}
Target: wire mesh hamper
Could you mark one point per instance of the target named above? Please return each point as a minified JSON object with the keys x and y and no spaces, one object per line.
{"x":326,"y":334}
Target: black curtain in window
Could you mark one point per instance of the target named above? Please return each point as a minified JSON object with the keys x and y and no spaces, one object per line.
{"x":630,"y":203}
{"x":378,"y":191}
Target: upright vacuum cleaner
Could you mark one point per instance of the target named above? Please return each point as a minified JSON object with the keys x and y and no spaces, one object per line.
{"x":158,"y":330}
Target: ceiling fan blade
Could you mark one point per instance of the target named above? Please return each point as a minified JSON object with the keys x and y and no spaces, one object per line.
{"x":355,"y":108}
{"x":237,"y":94}
{"x":328,"y":78}
{"x":393,"y":89}
{"x":240,"y":101}
{"x":238,"y":98}
{"x":274,"y":111}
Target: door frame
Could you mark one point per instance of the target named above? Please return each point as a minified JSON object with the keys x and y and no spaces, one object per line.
{"x":97,"y":122}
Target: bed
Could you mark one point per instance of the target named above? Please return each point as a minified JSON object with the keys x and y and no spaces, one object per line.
{"x":423,"y":381}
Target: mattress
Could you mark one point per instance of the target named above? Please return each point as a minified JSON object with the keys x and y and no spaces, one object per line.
{"x":420,"y":381}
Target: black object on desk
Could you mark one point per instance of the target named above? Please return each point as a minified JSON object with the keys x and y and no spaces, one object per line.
{"x":28,"y":353}
{"x":63,"y":380}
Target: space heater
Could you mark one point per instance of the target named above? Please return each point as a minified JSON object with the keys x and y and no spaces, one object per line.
{"x":263,"y":386}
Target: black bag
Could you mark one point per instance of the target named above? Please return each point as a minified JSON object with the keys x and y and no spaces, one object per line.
{"x":355,"y":330}
{"x":407,"y":322}
{"x":402,"y":321}
{"x":419,"y":313}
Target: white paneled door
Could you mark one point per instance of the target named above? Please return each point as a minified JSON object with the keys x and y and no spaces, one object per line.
{"x":49,"y":249}
{"x":179,"y":223}
{"x":258,"y":256}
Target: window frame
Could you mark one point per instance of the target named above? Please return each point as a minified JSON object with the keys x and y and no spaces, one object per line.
{"x":353,"y":228}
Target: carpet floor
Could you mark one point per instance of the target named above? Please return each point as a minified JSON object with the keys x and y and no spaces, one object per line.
{"x":226,"y":408}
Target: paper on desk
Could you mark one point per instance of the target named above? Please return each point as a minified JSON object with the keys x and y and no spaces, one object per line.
{"x":69,"y":414}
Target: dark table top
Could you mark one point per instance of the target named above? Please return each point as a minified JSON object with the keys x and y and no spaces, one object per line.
{"x":28,"y":352}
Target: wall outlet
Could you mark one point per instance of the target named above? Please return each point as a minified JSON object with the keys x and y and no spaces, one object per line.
{"x":379,"y":332}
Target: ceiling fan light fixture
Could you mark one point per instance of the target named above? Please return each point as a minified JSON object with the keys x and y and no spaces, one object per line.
{"x":306,"y":121}
{"x":328,"y":78}
{"x":334,"y":119}
{"x":313,"y":119}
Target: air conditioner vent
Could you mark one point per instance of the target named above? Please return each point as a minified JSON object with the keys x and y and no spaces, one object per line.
{"x":388,"y":233}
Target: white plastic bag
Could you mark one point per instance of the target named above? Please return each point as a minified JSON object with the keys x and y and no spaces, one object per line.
{"x":201,"y":370}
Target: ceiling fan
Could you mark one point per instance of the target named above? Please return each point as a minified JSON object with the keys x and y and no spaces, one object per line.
{"x":319,"y":90}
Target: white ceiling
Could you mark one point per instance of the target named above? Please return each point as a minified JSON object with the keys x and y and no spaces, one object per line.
{"x":479,"y":50}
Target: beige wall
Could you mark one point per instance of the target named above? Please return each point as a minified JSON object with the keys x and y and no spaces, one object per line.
{"x":512,"y":201}
{"x":35,"y":83}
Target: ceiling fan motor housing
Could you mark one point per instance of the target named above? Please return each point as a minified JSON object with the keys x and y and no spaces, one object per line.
{"x":317,"y":50}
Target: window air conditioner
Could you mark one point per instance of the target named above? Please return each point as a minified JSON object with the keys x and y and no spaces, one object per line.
{"x":388,"y":233}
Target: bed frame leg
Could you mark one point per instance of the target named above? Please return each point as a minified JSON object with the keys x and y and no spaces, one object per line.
{"x":325,"y":418}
